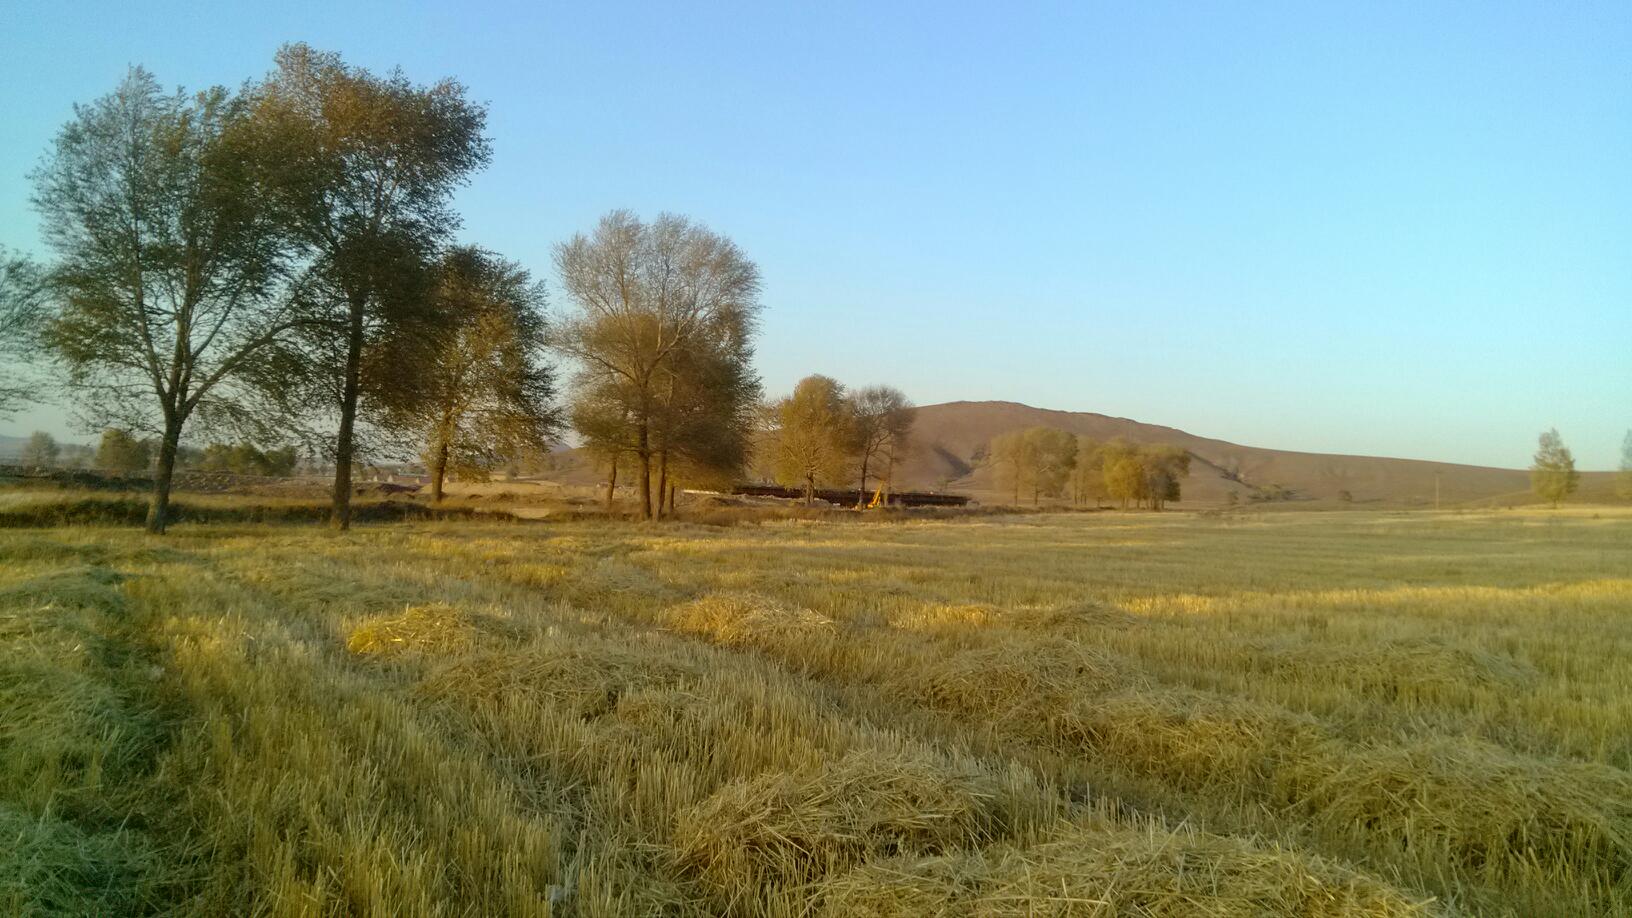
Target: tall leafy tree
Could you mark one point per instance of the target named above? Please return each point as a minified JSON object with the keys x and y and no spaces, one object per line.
{"x":169,"y":291}
{"x":121,"y":451}
{"x":881,"y":416}
{"x":1552,"y":473}
{"x":488,"y":390}
{"x":362,"y":168}
{"x":813,"y":435}
{"x":661,"y":307}
{"x":705,"y":418}
{"x":21,"y":309}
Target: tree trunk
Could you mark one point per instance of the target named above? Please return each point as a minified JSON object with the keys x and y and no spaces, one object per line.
{"x":672,"y":489}
{"x":340,"y":512}
{"x":158,"y":509}
{"x":889,"y":479}
{"x":439,"y":470}
{"x":662,"y":481}
{"x":644,"y":451}
{"x":612,"y":483}
{"x":810,"y":489}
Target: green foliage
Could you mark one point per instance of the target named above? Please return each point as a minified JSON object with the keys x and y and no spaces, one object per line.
{"x":360,"y":170}
{"x":168,"y":291}
{"x":246,"y":459}
{"x":21,"y":312}
{"x":120,"y":451}
{"x":487,"y":390}
{"x":1552,"y":473}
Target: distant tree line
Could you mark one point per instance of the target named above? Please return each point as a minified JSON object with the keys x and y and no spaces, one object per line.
{"x":119,"y":450}
{"x":1047,"y":462}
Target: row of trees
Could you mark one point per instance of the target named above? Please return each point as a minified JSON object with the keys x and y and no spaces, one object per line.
{"x":280,"y":258}
{"x":119,"y":450}
{"x":1048,"y":462}
{"x":823,"y":434}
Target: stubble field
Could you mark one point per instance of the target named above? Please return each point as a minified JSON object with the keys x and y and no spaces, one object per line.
{"x":1096,"y":714}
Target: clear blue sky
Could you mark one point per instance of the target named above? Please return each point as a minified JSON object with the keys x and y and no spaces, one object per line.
{"x":1395,"y":229}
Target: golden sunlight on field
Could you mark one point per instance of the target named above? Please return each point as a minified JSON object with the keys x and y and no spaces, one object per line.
{"x":1174,"y":715}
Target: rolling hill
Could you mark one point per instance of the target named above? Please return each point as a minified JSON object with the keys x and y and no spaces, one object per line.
{"x":950,"y":437}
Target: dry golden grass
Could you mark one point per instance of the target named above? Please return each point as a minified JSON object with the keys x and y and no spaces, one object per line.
{"x":1315,"y":714}
{"x":1102,"y":870}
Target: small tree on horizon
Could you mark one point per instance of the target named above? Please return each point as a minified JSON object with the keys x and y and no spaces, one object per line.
{"x":121,"y":451}
{"x":41,"y":450}
{"x":1552,"y":474}
{"x":1623,"y":481}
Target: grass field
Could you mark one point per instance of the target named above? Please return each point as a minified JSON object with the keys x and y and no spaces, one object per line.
{"x":1106,"y":714}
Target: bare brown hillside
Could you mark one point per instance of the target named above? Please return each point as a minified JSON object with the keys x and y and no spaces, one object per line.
{"x":951,"y":436}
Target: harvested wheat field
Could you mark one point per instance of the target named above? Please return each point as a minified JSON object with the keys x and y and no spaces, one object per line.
{"x":1086,"y":714}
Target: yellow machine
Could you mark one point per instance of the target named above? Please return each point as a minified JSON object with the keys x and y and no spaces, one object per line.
{"x":878,"y":499}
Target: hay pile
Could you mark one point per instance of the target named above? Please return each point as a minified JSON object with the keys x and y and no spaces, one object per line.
{"x":434,"y":628}
{"x":1420,"y":670}
{"x":1083,"y":613}
{"x":1102,"y":870}
{"x":787,"y":829}
{"x":943,"y":616}
{"x":1002,"y":679}
{"x":746,"y":620}
{"x":1192,"y":739}
{"x":613,"y":583}
{"x":583,"y":676}
{"x":1475,"y":804}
